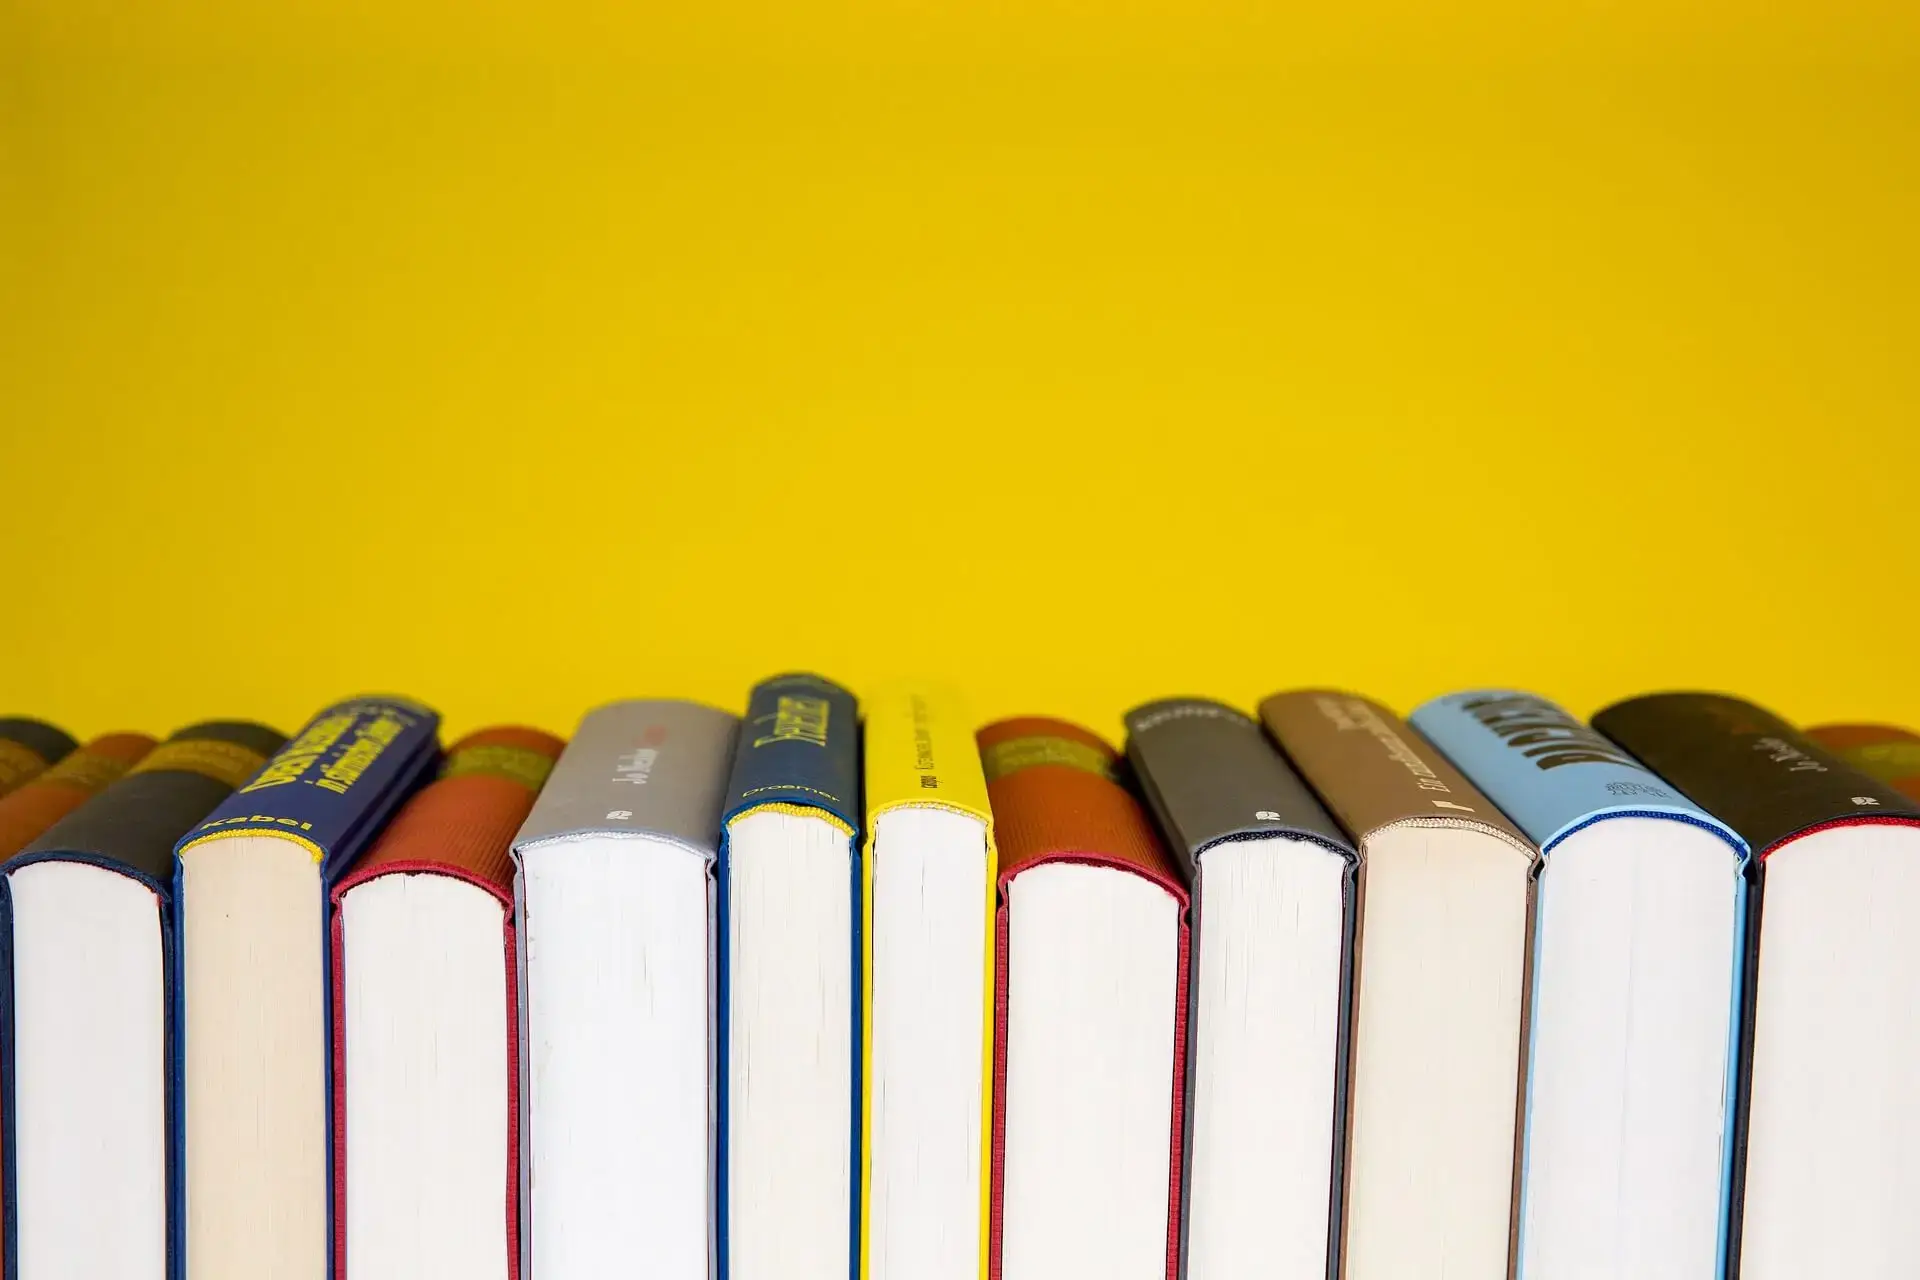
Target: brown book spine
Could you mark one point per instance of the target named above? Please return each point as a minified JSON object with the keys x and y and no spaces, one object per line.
{"x":1372,"y":769}
{"x":53,"y":795}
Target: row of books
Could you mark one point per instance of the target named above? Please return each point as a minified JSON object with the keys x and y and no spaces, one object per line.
{"x":838,"y":990}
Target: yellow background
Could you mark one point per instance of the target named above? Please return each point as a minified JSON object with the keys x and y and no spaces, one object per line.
{"x":521,"y":356}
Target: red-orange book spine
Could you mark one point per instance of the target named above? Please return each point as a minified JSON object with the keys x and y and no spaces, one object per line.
{"x":461,"y":825}
{"x":38,"y":804}
{"x":1056,"y":798}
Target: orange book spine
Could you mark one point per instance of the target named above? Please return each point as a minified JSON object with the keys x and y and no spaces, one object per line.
{"x":38,"y":804}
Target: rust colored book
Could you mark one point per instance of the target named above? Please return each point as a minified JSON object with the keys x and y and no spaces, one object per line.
{"x":1089,"y":1012}
{"x":27,"y":749}
{"x":38,"y":804}
{"x":426,"y":1023}
{"x":1885,"y":751}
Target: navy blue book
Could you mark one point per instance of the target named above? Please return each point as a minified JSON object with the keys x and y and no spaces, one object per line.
{"x":254,"y":1153}
{"x":789,"y":997}
{"x":86,"y":962}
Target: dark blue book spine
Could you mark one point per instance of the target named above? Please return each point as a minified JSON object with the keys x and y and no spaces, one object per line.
{"x":799,"y":748}
{"x":335,"y":783}
{"x":331,"y":789}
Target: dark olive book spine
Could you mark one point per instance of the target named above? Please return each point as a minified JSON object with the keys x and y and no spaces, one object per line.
{"x":128,"y":828}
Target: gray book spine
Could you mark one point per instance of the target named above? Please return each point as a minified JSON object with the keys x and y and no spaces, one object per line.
{"x":650,"y":768}
{"x":654,"y":768}
{"x":1210,"y":776}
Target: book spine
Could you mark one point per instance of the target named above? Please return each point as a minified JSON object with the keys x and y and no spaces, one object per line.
{"x":798,"y":752}
{"x":1763,"y":777}
{"x":135,"y":821}
{"x":36,"y":806}
{"x":331,"y":787}
{"x":329,"y":790}
{"x":129,"y":828}
{"x":1057,"y":795}
{"x":1210,"y":775}
{"x":919,"y":752}
{"x":799,"y":749}
{"x":1548,"y":771}
{"x":461,"y":825}
{"x":28,"y":748}
{"x":464,"y":822}
{"x":656,"y":767}
{"x":1372,"y":770}
{"x":1057,"y":792}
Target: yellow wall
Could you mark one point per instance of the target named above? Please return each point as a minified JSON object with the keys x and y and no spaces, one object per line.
{"x":525,"y":358}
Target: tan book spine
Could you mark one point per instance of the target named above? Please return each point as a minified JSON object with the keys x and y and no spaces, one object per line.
{"x":1373,"y":770}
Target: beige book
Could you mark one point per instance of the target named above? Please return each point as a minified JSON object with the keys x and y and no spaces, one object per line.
{"x":1435,"y":1070}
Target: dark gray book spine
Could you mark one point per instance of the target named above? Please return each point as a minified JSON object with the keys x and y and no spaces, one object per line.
{"x":1748,"y":767}
{"x":136,"y":821}
{"x":1210,"y":776}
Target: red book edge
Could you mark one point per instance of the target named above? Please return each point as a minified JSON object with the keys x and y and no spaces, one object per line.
{"x":1178,"y":1127}
{"x":339,"y":1051}
{"x":1863,"y":820}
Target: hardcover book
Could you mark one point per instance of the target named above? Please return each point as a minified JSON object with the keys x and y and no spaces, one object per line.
{"x":1272,"y":878}
{"x":1090,"y":1015}
{"x":35,"y":806}
{"x":1833,"y":1120}
{"x":87,"y":1087}
{"x":426,"y":1026}
{"x":615,"y":890}
{"x":253,"y":1000}
{"x":1435,"y":1069}
{"x":1631,"y":1090}
{"x":27,"y":749}
{"x":930,"y":866}
{"x":38,"y":803}
{"x":790,"y":968}
{"x":1886,"y":752}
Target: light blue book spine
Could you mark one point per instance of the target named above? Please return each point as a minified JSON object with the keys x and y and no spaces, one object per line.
{"x":1553,"y":775}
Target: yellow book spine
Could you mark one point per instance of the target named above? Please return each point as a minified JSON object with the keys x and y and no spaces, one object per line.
{"x":920,"y":752}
